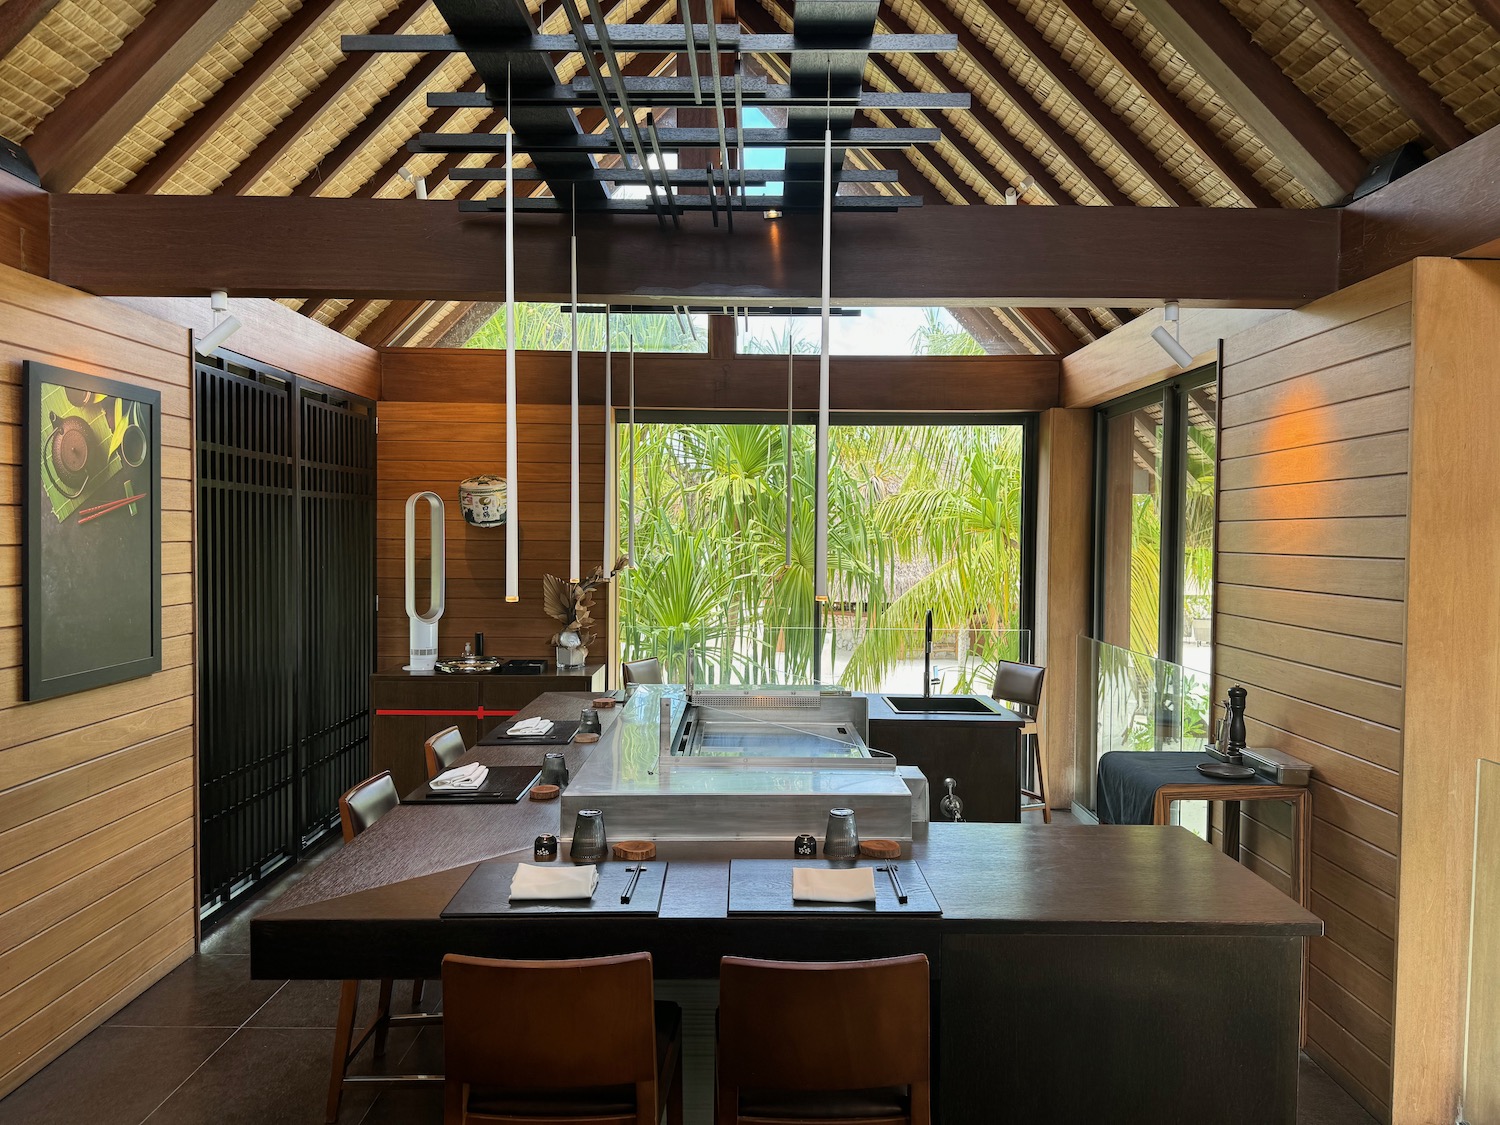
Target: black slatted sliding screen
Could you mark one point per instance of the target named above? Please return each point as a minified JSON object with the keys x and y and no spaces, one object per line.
{"x":286,"y":511}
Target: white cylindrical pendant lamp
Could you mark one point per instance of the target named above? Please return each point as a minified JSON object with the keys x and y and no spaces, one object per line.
{"x":512,"y":493}
{"x":820,"y":548}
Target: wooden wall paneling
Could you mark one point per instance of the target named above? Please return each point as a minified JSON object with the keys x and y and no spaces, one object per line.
{"x":423,"y":445}
{"x":1311,"y":617}
{"x":1064,"y":589}
{"x":97,"y":789}
{"x":25,"y":235}
{"x":701,"y":382}
{"x":1453,"y":669}
{"x":277,"y":335}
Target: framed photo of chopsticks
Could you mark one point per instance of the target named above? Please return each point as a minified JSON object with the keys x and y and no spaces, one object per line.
{"x":92,"y":499}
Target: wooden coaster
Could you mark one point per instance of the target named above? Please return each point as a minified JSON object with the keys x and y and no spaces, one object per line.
{"x":635,"y":849}
{"x":880,"y":849}
{"x":544,"y":792}
{"x":604,"y":703}
{"x":587,"y":737}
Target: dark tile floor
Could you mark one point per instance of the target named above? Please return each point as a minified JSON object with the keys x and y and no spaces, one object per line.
{"x":210,"y":1045}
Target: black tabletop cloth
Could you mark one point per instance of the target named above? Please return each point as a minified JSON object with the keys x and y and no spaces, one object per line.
{"x":1129,"y":779}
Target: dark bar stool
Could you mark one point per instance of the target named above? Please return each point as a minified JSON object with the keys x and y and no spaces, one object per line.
{"x":359,"y":808}
{"x":646,"y":671}
{"x":559,"y":1041}
{"x":1021,"y":686}
{"x":822,"y":1042}
{"x":442,"y":750}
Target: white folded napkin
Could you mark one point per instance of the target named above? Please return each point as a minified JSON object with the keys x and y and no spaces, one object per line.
{"x":553,"y":882}
{"x":529,"y":727}
{"x":827,"y":884}
{"x":470,"y":776}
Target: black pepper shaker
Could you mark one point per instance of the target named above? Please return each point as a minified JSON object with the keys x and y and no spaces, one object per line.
{"x":545,"y":848}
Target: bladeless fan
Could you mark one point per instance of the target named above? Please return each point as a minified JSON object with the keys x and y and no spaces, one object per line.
{"x":424,"y":626}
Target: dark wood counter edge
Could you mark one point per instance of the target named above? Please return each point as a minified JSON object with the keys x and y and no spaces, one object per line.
{"x":552,"y":671}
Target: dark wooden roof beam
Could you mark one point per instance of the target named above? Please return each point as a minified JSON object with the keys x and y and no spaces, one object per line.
{"x":1199,"y":133}
{"x":17,"y":20}
{"x":121,"y":90}
{"x":1315,"y":150}
{"x":1392,"y":71}
{"x":204,"y":122}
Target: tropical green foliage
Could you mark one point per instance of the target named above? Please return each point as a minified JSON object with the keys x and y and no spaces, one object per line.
{"x":936,"y":509}
{"x":547,"y":328}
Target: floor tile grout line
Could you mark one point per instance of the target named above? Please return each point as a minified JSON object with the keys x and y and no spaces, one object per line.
{"x":212,"y":1054}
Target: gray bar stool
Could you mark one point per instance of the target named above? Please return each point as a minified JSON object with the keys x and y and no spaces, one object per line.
{"x":1020,"y":685}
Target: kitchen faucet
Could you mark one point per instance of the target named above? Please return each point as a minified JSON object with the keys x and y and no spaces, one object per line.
{"x":927,"y":661}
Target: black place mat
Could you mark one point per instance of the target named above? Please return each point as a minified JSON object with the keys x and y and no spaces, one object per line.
{"x":504,"y":785}
{"x":485,"y":892}
{"x":560,"y":735}
{"x":764,"y":886}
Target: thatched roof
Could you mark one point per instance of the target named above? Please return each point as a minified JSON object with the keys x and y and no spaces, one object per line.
{"x":1074,"y":102}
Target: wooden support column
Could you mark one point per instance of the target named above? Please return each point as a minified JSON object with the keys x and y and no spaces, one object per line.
{"x":1063,"y":567}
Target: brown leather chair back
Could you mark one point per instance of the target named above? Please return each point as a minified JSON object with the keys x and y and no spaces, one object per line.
{"x":366,"y":803}
{"x":442,"y":750}
{"x":825,"y":1026}
{"x":1020,"y":684}
{"x":646,"y":671}
{"x":503,"y":1022}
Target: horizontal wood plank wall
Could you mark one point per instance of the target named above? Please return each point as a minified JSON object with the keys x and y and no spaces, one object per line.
{"x":435,"y":445}
{"x":97,"y":789}
{"x":1310,"y":618}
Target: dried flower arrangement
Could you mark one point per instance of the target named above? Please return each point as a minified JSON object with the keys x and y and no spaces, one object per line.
{"x":573,"y":603}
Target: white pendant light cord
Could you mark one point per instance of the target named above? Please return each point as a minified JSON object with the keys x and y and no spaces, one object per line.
{"x":574,"y":557}
{"x":630,"y":495}
{"x":820,"y":549}
{"x":790,"y":395}
{"x":611,"y":485}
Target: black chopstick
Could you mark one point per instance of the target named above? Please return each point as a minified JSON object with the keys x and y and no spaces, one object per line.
{"x":635,"y":877}
{"x":896,"y":886}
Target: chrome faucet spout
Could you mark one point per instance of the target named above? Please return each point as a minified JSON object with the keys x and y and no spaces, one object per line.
{"x":927,"y":660}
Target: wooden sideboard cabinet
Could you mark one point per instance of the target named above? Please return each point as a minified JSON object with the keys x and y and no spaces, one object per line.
{"x":408,"y":707}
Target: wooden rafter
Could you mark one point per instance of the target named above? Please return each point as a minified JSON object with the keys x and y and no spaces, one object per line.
{"x":1052,"y":63}
{"x":1122,"y":52}
{"x":1393,"y":72}
{"x":91,"y":120}
{"x":291,"y":127}
{"x":179,"y":148}
{"x":388,"y":322}
{"x":986,"y":63}
{"x":18,"y":18}
{"x":347,"y":316}
{"x":339,"y":157}
{"x":1315,"y":150}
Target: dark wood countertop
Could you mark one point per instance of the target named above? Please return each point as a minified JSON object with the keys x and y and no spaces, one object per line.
{"x":989,"y":878}
{"x":551,"y":671}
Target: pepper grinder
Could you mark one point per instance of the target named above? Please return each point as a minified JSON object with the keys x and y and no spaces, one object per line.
{"x":1233,"y":768}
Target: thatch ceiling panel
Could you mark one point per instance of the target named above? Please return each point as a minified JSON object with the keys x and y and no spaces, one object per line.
{"x":1310,"y":55}
{"x":1453,"y":48}
{"x":1189,"y":85}
{"x":200,"y":83}
{"x":61,"y":51}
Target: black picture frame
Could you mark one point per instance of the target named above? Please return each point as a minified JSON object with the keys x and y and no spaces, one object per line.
{"x":91,"y":497}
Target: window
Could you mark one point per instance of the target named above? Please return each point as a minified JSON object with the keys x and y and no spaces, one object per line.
{"x":921,"y":516}
{"x":872,"y":331}
{"x":544,"y":327}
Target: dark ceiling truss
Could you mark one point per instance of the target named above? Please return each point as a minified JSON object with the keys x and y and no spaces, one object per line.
{"x":829,"y":45}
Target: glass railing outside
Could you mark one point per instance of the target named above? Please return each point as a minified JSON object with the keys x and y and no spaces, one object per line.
{"x":858,"y":658}
{"x":1130,"y":701}
{"x":1482,"y":1077}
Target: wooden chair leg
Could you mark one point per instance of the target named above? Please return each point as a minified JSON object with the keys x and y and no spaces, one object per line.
{"x":1041,"y":775}
{"x":674,"y":1095}
{"x":383,"y":1016}
{"x":343,"y":1034}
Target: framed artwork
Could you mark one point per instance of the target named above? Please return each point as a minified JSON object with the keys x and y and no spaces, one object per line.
{"x":92,"y":499}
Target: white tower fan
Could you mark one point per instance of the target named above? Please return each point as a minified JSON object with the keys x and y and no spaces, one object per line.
{"x":424,"y":626}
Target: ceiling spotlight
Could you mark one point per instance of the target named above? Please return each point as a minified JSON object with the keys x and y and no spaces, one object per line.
{"x":1172,"y":344}
{"x":1012,"y":197}
{"x":224,"y":327}
{"x":773,"y":214}
{"x":418,"y":183}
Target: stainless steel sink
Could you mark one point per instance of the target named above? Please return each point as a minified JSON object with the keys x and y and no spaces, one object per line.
{"x":939,"y":704}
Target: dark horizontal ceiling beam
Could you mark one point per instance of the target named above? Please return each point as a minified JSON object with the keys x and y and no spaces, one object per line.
{"x":658,"y":38}
{"x":775,"y":97}
{"x":672,"y":139}
{"x":369,"y":248}
{"x":18,"y":18}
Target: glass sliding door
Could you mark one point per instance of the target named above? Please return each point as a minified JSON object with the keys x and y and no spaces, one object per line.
{"x":1130,"y":501}
{"x":1200,"y":416}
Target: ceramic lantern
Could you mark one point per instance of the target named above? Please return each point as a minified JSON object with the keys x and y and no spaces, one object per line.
{"x":482,"y":499}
